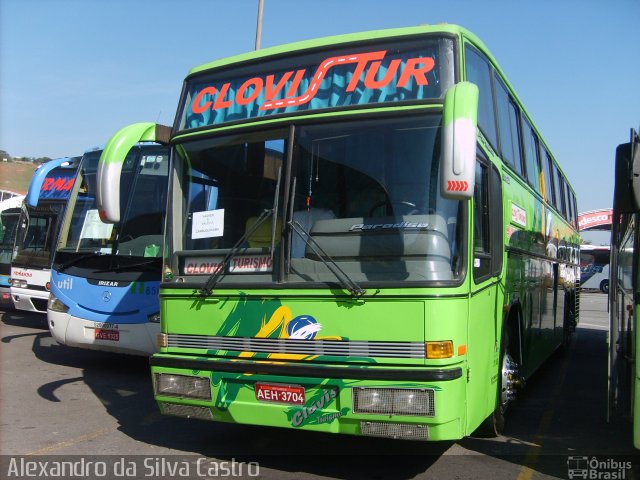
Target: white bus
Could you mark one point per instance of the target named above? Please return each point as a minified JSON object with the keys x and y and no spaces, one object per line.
{"x":594,"y":267}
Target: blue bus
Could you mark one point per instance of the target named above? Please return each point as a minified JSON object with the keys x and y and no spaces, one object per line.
{"x":37,"y":230}
{"x":106,"y":277}
{"x":9,"y":215}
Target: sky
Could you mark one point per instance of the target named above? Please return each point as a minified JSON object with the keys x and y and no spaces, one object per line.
{"x":72,"y":72}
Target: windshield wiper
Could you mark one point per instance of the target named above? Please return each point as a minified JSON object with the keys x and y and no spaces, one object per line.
{"x":217,"y":275}
{"x":145,"y":264}
{"x":73,"y":261}
{"x":347,"y":282}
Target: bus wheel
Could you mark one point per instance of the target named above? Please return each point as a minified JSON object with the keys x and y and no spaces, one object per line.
{"x":604,"y":286}
{"x":510,"y":380}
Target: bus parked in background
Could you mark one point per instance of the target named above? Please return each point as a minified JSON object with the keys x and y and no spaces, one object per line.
{"x":8,"y":194}
{"x":9,"y":215}
{"x":367,"y":235}
{"x":624,"y":295}
{"x":594,"y":267}
{"x":38,"y":226}
{"x":106,"y":277}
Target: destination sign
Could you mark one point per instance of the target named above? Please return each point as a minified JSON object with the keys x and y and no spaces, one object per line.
{"x":317,"y":82}
{"x":240,"y":264}
{"x":57,"y":185}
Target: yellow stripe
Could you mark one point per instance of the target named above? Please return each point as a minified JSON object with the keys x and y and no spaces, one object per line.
{"x":527,"y":470}
{"x":68,"y":443}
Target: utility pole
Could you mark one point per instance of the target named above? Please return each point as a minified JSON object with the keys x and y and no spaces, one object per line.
{"x":259,"y":26}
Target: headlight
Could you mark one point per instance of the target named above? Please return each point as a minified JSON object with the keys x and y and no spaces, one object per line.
{"x":18,"y":283}
{"x":56,"y":305}
{"x":155,"y":318}
{"x":394,"y":401}
{"x":183,"y":386}
{"x":370,"y":400}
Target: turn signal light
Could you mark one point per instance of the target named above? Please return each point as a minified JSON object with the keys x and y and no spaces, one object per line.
{"x":162,"y":340}
{"x":442,"y":349}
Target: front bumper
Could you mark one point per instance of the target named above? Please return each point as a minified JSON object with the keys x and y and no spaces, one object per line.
{"x":135,"y":339}
{"x":329,"y":396}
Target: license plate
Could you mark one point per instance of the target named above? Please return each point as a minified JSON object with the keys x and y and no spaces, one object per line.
{"x":289,"y":394}
{"x":102,"y":334}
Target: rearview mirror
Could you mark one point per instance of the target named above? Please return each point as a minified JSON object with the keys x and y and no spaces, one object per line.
{"x":459,"y":124}
{"x":626,"y":192}
{"x":112,"y":159}
{"x":635,"y":168}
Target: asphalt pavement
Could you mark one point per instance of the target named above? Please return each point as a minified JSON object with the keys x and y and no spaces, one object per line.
{"x":61,"y":403}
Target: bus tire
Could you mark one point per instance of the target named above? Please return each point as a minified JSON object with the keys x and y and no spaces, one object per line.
{"x":604,"y":286}
{"x":508,"y":380}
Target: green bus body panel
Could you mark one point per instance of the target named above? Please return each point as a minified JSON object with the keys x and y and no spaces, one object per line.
{"x":533,"y":235}
{"x":372,"y":320}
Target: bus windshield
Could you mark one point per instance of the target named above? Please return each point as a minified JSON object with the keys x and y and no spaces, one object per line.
{"x":8,"y":228}
{"x":37,"y":229}
{"x":142,"y":200}
{"x":366,"y":194}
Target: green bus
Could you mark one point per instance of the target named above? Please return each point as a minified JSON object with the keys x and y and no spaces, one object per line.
{"x":366,"y":234}
{"x":624,"y":292}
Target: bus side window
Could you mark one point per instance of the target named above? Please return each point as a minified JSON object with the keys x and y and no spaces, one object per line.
{"x":479,"y":72}
{"x":557,"y":197}
{"x":481,"y":240}
{"x":508,"y":127}
{"x":530,"y":144}
{"x":487,"y":223}
{"x":562,"y":207}
{"x":568,"y":201}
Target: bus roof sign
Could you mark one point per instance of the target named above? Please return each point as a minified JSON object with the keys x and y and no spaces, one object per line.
{"x":399,"y":72}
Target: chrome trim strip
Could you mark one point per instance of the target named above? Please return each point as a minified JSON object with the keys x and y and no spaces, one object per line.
{"x":335,"y":348}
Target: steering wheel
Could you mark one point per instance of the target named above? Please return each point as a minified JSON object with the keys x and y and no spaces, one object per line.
{"x":404,"y":204}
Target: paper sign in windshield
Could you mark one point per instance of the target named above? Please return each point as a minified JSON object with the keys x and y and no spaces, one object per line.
{"x":208,"y":224}
{"x":95,"y":228}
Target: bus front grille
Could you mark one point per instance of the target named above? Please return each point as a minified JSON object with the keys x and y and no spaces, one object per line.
{"x":334,"y":348}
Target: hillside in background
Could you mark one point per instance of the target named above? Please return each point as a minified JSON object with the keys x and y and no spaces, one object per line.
{"x":15,"y":176}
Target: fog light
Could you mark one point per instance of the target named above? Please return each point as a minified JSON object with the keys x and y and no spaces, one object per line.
{"x":394,"y":401}
{"x":188,"y":411}
{"x":56,"y":305}
{"x":442,"y":349}
{"x":403,"y":431}
{"x":183,"y":386}
{"x":154,"y":318}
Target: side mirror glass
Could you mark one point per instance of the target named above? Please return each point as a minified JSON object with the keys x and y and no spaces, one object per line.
{"x":459,"y":125}
{"x":111,"y":162}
